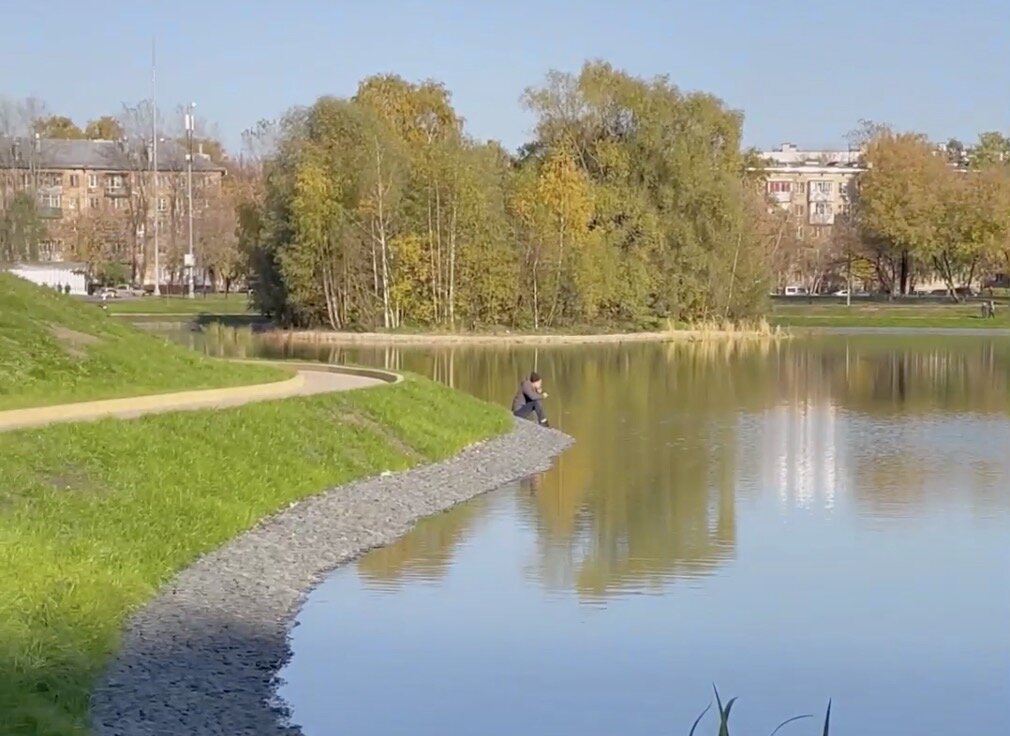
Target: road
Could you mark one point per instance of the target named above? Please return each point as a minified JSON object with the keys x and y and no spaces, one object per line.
{"x":305,"y":382}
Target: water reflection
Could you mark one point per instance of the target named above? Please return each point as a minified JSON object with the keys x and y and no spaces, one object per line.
{"x":671,"y":437}
{"x":796,"y":521}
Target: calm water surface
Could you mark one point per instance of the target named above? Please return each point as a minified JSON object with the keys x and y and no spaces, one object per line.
{"x":823,"y":518}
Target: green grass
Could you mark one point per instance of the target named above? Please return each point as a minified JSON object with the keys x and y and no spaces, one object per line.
{"x":959,"y":316}
{"x":95,"y":517}
{"x":55,"y":349}
{"x":180,"y":305}
{"x":723,"y":712}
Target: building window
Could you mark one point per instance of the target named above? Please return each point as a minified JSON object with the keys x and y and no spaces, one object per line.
{"x":162,"y":180}
{"x":780,"y":186}
{"x":800,"y":187}
{"x":822,"y":208}
{"x":798,"y":209}
{"x":72,"y":204}
{"x":821,"y":187}
{"x":26,"y":180}
{"x":841,"y":187}
{"x":92,"y":181}
{"x":75,"y":180}
{"x":49,"y":200}
{"x":162,"y":204}
{"x":115,"y":182}
{"x":93,"y":203}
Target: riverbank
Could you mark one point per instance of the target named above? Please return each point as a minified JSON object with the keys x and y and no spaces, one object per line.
{"x":97,"y":517}
{"x":207,"y":649}
{"x":381,"y":339}
{"x":966,"y":316}
{"x":56,"y":350}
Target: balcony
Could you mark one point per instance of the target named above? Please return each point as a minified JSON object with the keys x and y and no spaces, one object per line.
{"x":822,"y":218}
{"x":120,"y":191}
{"x":50,"y":213}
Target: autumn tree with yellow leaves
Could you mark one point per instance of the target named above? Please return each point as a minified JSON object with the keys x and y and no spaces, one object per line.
{"x":630,"y":209}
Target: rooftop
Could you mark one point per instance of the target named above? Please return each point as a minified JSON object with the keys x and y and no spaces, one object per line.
{"x":789,"y":155}
{"x":125,"y":155}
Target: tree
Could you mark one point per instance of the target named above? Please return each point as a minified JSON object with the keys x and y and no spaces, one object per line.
{"x":93,"y":237}
{"x":956,"y":152}
{"x":632,"y":206}
{"x":975,"y":224}
{"x":21,"y":229}
{"x":106,"y":128}
{"x":900,"y":202}
{"x":992,"y":149}
{"x":57,"y":126}
{"x":18,"y":117}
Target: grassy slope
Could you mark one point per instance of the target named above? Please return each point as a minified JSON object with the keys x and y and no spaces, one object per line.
{"x":95,"y":517}
{"x":888,"y":315}
{"x":209,"y":304}
{"x":55,"y":349}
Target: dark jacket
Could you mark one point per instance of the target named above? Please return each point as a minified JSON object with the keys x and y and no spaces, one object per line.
{"x":527,"y":392}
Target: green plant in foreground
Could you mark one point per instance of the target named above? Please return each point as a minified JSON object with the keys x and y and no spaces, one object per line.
{"x":724,"y":711}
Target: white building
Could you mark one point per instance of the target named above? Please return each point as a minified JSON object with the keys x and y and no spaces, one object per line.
{"x":57,"y":274}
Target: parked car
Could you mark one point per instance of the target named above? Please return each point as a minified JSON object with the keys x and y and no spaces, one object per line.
{"x":125,"y":290}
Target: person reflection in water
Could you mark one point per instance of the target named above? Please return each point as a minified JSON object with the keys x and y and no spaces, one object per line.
{"x":533,"y":483}
{"x":529,"y":399}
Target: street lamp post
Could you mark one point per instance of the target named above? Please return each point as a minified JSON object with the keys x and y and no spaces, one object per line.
{"x":190,"y":262}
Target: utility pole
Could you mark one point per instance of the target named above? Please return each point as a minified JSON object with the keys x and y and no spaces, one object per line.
{"x":190,"y":262}
{"x":154,"y":165}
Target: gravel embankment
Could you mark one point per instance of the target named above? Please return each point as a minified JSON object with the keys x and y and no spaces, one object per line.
{"x":202,"y":657}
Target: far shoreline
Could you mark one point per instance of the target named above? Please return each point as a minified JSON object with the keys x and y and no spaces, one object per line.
{"x":386,"y":339}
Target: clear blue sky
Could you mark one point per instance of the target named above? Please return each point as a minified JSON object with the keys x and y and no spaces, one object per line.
{"x":803,"y":71}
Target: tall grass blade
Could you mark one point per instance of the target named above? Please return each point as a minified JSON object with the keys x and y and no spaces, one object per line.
{"x":723,"y":713}
{"x":698,"y":719}
{"x":788,"y":721}
{"x":827,"y":719}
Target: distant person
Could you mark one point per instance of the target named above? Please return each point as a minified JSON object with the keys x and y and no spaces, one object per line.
{"x":66,"y":289}
{"x":529,"y":399}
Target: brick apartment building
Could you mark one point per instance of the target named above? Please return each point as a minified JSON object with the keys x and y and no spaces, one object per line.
{"x":111,"y":181}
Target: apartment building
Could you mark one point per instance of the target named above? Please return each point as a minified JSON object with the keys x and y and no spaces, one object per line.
{"x":817,"y":187}
{"x":72,"y":178}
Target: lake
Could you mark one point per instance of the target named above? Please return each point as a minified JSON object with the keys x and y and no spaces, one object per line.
{"x":819,"y":518}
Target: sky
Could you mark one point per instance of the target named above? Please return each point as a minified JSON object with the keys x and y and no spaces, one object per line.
{"x":801,"y":72}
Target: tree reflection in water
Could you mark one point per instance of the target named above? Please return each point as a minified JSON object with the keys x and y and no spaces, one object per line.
{"x":668,"y":436}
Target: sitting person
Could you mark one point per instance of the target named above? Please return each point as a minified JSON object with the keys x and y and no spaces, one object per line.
{"x":530,"y":398}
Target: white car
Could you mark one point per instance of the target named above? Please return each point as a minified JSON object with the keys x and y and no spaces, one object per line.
{"x":841,"y":292}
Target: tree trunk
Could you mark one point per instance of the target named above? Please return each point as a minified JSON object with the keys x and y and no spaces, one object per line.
{"x":431,"y":261}
{"x":942,"y":264}
{"x":558,"y":280}
{"x":438,"y":253}
{"x":452,"y":265}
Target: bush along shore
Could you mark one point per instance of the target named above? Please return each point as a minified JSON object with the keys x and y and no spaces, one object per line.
{"x":96,"y":518}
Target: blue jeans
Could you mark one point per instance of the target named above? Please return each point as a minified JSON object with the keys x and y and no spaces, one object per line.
{"x":535,"y":406}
